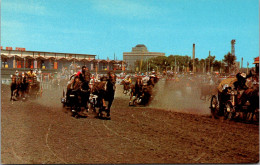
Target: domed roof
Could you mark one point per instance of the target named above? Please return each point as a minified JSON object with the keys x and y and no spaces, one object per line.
{"x":140,"y":45}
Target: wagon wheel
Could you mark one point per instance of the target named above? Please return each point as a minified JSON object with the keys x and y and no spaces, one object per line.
{"x":214,"y":106}
{"x":229,"y":111}
{"x":74,"y":106}
{"x":73,"y":109}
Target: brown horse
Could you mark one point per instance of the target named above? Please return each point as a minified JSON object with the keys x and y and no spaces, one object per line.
{"x":105,"y":90}
{"x":14,"y":88}
{"x":73,"y":96}
{"x":141,"y":93}
{"x":250,"y":95}
{"x":24,"y":86}
{"x":126,"y":86}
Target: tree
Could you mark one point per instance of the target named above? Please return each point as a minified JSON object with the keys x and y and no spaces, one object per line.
{"x":136,"y":64}
{"x":209,"y":61}
{"x":229,"y":59}
{"x":216,"y":65}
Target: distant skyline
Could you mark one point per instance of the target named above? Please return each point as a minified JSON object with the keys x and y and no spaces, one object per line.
{"x":108,"y":27}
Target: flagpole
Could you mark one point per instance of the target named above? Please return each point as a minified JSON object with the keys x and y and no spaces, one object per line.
{"x":247,"y":68}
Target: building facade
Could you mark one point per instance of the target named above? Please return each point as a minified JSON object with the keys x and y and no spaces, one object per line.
{"x":139,"y":53}
{"x":24,"y":60}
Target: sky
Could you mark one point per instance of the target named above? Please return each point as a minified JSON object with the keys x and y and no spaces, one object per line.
{"x":108,"y":27}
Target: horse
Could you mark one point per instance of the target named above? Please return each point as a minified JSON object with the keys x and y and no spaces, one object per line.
{"x":105,"y":91}
{"x":142,"y":93}
{"x":24,"y":86}
{"x":147,"y":93}
{"x":135,"y":91}
{"x":84,"y":94}
{"x":110,"y":92}
{"x":250,"y":95}
{"x":77,"y":95}
{"x":126,"y":86}
{"x":14,"y":88}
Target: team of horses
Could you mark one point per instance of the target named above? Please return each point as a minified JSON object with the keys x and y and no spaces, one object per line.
{"x":23,"y":86}
{"x":246,"y":102}
{"x":235,"y":101}
{"x":141,"y":91}
{"x":99,"y":94}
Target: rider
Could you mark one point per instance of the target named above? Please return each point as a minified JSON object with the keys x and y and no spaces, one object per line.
{"x":128,"y":81}
{"x":84,"y":77}
{"x":31,"y":73}
{"x":84,"y":74}
{"x":16,"y":73}
{"x":238,"y":83}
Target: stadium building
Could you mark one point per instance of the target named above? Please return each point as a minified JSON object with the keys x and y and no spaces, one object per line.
{"x":139,"y":53}
{"x":21,"y":59}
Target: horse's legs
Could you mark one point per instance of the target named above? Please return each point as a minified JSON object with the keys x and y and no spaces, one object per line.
{"x":109,"y":105}
{"x":94,"y":104}
{"x":131,"y":96}
{"x":84,"y":100}
{"x":14,"y":95}
{"x":11,"y":94}
{"x":87,"y":101}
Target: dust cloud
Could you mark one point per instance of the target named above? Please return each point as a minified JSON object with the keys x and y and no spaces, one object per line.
{"x":179,"y":97}
{"x":168,"y":95}
{"x":51,"y":97}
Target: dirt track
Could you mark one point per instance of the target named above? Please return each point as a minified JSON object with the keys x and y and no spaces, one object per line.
{"x":42,"y":132}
